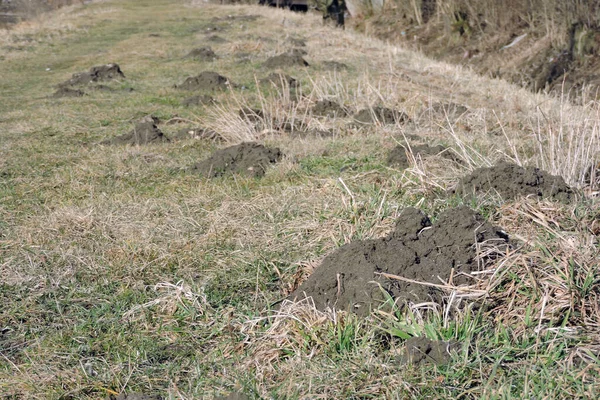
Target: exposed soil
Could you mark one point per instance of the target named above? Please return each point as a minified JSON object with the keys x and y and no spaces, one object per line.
{"x":286,"y":60}
{"x":206,"y":81}
{"x":416,"y":250}
{"x":68,"y":92}
{"x":380,"y":115}
{"x":420,"y":350}
{"x":399,"y":158}
{"x":98,"y":73}
{"x":328,"y":108}
{"x":511,"y":181}
{"x":145,"y":132}
{"x":198,"y":100}
{"x":202,"y":54}
{"x":247,"y":158}
{"x":196,"y":133}
{"x":280,"y":80}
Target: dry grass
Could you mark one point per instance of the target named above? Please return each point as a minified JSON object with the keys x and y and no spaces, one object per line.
{"x":121,"y":271}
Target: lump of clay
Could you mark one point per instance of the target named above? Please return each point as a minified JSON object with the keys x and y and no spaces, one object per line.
{"x":145,"y":132}
{"x":247,"y":158}
{"x":511,"y":181}
{"x":286,"y":60}
{"x":207,"y":81}
{"x":95,"y":74}
{"x":380,"y":115}
{"x":417,"y":250}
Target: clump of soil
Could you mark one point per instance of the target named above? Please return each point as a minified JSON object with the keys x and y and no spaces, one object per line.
{"x":198,"y":100}
{"x":417,"y":250}
{"x":398,"y":157}
{"x":99,"y":73}
{"x":145,"y":132}
{"x":328,"y":108}
{"x":280,"y":80}
{"x":247,"y":158}
{"x":380,"y":115}
{"x":202,"y":54}
{"x":286,"y":60}
{"x":68,"y":92}
{"x":206,"y":81}
{"x":196,"y":133}
{"x":511,"y":181}
{"x":420,"y":350}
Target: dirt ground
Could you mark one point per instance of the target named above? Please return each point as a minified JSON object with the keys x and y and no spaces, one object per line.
{"x":511,"y":181}
{"x":247,"y":158}
{"x":419,"y":251}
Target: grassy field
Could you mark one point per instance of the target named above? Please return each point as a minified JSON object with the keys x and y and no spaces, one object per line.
{"x":123,"y":272}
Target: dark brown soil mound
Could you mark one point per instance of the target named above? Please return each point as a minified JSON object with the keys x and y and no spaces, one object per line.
{"x":286,"y":60}
{"x":247,"y":158}
{"x":416,"y":250}
{"x":398,"y":157}
{"x":202,"y":54}
{"x":203,"y":99}
{"x":68,"y":92}
{"x":420,"y":350}
{"x":145,"y":132}
{"x":511,"y":181}
{"x":328,"y":108}
{"x":206,"y":81}
{"x":280,"y":80}
{"x":380,"y":115}
{"x":196,"y":133}
{"x":95,"y":74}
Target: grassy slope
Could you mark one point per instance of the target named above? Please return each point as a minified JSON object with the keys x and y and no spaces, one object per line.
{"x":120,"y":271}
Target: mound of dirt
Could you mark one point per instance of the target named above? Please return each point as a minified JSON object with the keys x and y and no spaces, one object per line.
{"x":398,"y":157}
{"x":416,"y":250}
{"x":68,"y":92}
{"x":247,"y":158}
{"x":380,"y":115}
{"x":511,"y":181}
{"x":203,"y":54}
{"x":196,"y":133}
{"x":280,"y":80}
{"x":99,"y":73}
{"x":328,"y":108}
{"x":145,"y":132}
{"x":199,"y":100}
{"x":286,"y":60}
{"x":206,"y":81}
{"x":420,"y":350}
